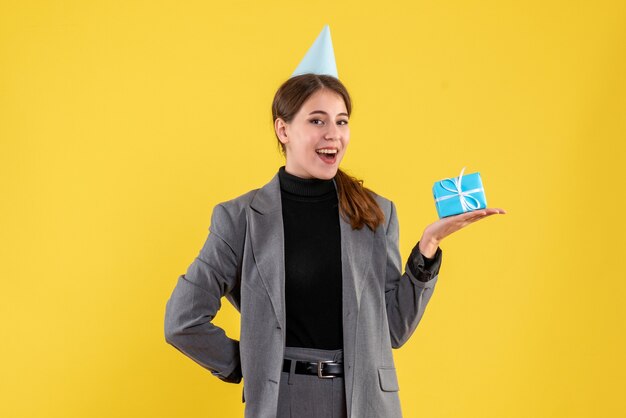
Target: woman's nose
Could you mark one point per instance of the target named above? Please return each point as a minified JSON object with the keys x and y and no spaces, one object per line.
{"x":333,"y":132}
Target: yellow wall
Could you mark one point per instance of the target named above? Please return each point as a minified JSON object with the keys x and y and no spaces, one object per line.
{"x":123,"y":122}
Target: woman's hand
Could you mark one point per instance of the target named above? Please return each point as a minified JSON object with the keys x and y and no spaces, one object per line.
{"x":435,"y":232}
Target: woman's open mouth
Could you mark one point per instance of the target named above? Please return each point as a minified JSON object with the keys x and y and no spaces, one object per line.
{"x":328,"y":155}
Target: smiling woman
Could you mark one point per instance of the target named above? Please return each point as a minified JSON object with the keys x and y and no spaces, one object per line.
{"x":311,"y":114}
{"x":312,"y":262}
{"x":320,"y":125}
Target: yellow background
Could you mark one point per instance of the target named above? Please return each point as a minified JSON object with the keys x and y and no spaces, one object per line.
{"x":122,"y":123}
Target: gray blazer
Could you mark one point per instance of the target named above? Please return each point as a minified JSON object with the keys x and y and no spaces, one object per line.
{"x":243,"y":260}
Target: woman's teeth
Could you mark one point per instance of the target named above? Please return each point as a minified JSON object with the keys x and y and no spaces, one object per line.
{"x":329,"y":156}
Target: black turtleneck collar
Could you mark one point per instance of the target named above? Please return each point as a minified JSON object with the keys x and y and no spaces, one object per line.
{"x":299,"y":186}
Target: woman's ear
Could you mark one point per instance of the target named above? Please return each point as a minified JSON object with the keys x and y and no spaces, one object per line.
{"x":280,"y":126}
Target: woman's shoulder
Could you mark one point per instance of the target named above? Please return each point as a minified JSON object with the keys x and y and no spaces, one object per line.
{"x":237,"y":206}
{"x":241,"y":200}
{"x":381,"y":200}
{"x":385,"y":204}
{"x":228,"y":219}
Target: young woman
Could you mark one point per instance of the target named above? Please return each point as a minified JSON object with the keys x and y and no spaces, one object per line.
{"x":311,"y":261}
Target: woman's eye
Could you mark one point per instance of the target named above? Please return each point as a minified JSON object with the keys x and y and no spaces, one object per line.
{"x":343,"y":122}
{"x":316,"y":122}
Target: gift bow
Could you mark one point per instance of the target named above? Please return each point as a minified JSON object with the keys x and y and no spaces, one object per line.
{"x":458,"y":191}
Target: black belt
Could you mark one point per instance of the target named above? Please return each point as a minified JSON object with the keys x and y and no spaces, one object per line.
{"x":321,"y":369}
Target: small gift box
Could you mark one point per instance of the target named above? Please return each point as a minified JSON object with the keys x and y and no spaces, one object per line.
{"x":459,"y":194}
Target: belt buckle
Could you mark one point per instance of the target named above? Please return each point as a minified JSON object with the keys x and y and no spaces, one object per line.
{"x":319,"y":370}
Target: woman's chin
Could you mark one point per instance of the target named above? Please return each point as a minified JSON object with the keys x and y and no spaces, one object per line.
{"x":327,"y":173}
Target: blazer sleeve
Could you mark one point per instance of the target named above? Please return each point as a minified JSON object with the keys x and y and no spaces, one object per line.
{"x":408,"y":293}
{"x":190,"y":310}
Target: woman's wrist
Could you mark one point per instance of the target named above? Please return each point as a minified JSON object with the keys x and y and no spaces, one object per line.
{"x":428,"y":246}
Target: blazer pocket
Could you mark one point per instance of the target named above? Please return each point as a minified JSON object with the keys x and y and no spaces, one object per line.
{"x":388,"y":379}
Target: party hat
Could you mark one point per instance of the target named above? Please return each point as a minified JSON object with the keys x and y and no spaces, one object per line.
{"x":320,"y":58}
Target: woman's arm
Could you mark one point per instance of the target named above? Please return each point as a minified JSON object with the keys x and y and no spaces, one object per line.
{"x":408,"y":293}
{"x":197,"y":298}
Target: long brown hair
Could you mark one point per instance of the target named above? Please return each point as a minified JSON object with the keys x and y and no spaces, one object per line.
{"x":356,"y":203}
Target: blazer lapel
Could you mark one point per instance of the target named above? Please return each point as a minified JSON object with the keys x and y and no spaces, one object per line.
{"x":356,"y":255}
{"x":267,"y":240}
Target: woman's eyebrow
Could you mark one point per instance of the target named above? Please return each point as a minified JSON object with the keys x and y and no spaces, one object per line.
{"x":325,"y":113}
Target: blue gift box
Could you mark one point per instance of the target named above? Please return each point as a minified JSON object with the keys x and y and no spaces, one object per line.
{"x":459,"y":194}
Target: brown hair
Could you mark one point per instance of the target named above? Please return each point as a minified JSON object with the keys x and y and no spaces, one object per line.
{"x":356,"y":202}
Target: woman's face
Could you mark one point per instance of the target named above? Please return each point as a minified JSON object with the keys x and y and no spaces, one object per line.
{"x":317,"y":137}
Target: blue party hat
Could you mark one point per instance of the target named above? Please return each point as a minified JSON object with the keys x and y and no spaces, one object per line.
{"x":320,"y":58}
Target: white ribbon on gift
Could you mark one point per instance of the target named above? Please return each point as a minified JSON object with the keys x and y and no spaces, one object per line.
{"x":463,"y":196}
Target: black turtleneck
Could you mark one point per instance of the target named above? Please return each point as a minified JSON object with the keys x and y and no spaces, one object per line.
{"x":312,"y":262}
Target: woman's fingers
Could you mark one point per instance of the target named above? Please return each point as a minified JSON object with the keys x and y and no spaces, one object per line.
{"x":467,"y":215}
{"x":485,"y":213}
{"x":475,"y":215}
{"x":481,"y":213}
